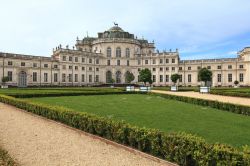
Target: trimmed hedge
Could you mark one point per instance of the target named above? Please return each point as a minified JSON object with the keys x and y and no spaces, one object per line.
{"x":231,"y":93}
{"x":182,"y":148}
{"x":56,"y":94}
{"x":234,"y":108}
{"x":5,"y":159}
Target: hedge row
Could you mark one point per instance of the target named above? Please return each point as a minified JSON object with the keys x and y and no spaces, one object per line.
{"x":235,"y":108}
{"x":231,"y":93}
{"x":182,"y":148}
{"x":5,"y":159}
{"x":55,"y":94}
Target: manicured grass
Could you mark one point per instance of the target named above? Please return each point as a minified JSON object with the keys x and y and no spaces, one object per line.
{"x":167,"y":115}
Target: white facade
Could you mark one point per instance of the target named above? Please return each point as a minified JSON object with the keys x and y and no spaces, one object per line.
{"x":95,"y":61}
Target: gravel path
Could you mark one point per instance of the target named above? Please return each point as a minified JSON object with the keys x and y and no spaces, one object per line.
{"x":225,"y":99}
{"x":33,"y":140}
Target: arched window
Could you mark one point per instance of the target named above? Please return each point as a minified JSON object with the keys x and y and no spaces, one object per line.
{"x":109,"y":52}
{"x":108,"y":77}
{"x":127,"y":52}
{"x":118,"y":75}
{"x":118,"y":52}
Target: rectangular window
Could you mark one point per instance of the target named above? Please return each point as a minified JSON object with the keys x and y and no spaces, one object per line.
{"x":55,"y":77}
{"x":97,"y":78}
{"x":76,"y":77}
{"x":180,"y":79}
{"x":167,"y":78}
{"x":90,"y":60}
{"x":154,"y":78}
{"x":45,"y":65}
{"x":9,"y":75}
{"x":127,"y":62}
{"x":230,"y":77}
{"x":9,"y":63}
{"x":45,"y":77}
{"x":83,"y":78}
{"x":161,"y":61}
{"x":189,"y":78}
{"x":70,"y":58}
{"x":108,"y":62}
{"x":83,"y":68}
{"x":167,"y":60}
{"x":219,"y":78}
{"x":97,"y":61}
{"x":90,"y":78}
{"x":161,"y":78}
{"x":76,"y":67}
{"x":55,"y":66}
{"x":198,"y":68}
{"x":173,"y":68}
{"x":139,"y":61}
{"x":70,"y":67}
{"x":70,"y":78}
{"x":90,"y":68}
{"x":173,"y":60}
{"x":208,"y":67}
{"x":219,"y":67}
{"x":189,"y":68}
{"x":64,"y":58}
{"x":34,"y":64}
{"x":63,"y":77}
{"x":154,"y":69}
{"x":146,"y":62}
{"x":229,"y":66}
{"x":22,"y":63}
{"x":154,"y":61}
{"x":76,"y":59}
{"x":83,"y":60}
{"x":167,"y":68}
{"x":241,"y":77}
{"x":97,"y":69}
{"x":161,"y":69}
{"x":34,"y":76}
{"x":180,"y":68}
{"x":241,"y":66}
{"x":118,"y":63}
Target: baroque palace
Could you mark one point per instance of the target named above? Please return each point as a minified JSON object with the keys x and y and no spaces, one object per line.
{"x":99,"y":60}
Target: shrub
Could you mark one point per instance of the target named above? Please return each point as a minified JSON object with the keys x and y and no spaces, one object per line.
{"x":5,"y":159}
{"x":182,"y":148}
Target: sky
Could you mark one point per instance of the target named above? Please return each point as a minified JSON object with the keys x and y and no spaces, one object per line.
{"x":198,"y":28}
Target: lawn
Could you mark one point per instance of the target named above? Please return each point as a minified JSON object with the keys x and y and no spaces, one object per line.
{"x":167,"y":115}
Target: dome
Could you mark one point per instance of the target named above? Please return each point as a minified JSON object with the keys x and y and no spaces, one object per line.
{"x":116,"y":29}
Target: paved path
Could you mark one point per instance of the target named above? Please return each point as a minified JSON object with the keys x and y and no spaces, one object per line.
{"x":33,"y":140}
{"x":226,"y":99}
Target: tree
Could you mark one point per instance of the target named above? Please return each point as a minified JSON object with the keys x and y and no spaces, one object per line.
{"x":205,"y":75}
{"x":236,"y":82}
{"x":174,"y":78}
{"x":145,"y":76}
{"x":129,"y":77}
{"x":5,"y":79}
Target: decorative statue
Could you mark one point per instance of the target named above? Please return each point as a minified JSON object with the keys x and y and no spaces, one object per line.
{"x":115,"y":24}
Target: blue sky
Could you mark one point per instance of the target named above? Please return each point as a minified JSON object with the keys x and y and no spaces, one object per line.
{"x":198,"y":28}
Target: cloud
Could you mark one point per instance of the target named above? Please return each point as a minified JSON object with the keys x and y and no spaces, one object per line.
{"x":193,"y":26}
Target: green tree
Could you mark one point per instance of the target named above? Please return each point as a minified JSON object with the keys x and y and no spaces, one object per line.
{"x":174,"y":78}
{"x":205,"y":75}
{"x":5,"y":79}
{"x":236,"y":82}
{"x":129,"y":77}
{"x":145,"y":76}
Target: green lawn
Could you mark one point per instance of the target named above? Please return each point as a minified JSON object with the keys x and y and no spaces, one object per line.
{"x":167,"y":115}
